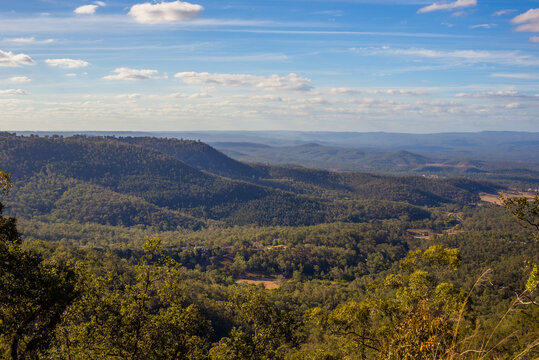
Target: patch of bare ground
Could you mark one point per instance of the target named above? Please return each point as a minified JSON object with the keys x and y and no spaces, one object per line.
{"x":425,"y":234}
{"x":451,"y":165}
{"x":495,"y":198}
{"x":269,"y":284}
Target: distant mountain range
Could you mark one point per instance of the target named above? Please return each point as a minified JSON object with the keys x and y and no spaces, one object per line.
{"x":488,"y":145}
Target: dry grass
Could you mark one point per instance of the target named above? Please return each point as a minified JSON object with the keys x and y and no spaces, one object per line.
{"x":268,"y":284}
{"x":495,"y":198}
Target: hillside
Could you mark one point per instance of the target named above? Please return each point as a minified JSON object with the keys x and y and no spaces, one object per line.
{"x":167,"y":183}
{"x":312,"y":155}
{"x":302,"y":246}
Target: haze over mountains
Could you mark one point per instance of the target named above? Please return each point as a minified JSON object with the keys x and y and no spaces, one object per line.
{"x":487,"y":145}
{"x":509,"y":157}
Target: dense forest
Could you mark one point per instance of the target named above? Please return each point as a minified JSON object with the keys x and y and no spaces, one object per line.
{"x":144,"y":248}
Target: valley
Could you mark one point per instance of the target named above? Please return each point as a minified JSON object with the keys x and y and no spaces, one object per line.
{"x":217,"y":234}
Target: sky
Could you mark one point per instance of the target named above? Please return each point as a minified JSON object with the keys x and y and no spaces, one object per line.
{"x":410,"y":66}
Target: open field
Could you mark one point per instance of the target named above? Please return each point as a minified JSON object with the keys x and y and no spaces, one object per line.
{"x":268,"y":284}
{"x":495,"y":198}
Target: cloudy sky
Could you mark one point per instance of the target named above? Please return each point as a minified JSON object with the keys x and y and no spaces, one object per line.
{"x":343,"y":65}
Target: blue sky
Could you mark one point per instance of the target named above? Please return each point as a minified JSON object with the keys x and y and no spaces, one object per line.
{"x":351,"y":65}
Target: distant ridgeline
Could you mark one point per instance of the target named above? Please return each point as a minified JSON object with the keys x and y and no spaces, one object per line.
{"x":182,"y":184}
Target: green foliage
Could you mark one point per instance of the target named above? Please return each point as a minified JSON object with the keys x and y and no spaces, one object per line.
{"x":155,"y":247}
{"x":267,"y":332}
{"x":142,"y":320}
{"x":533,"y":280}
{"x":169,"y":184}
{"x":5,"y":182}
{"x":526,"y":211}
{"x":33,"y":293}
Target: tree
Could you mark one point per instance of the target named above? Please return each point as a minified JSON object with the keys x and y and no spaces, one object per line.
{"x":33,"y":292}
{"x":267,"y":332}
{"x":140,"y":320}
{"x":526,"y":212}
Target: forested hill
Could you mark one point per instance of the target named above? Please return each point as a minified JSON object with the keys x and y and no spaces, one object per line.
{"x":196,"y":154}
{"x":171,"y":184}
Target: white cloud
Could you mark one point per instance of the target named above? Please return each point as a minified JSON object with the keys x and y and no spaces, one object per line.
{"x":29,"y":40}
{"x":448,"y":6}
{"x":10,"y":92}
{"x":529,"y":21}
{"x":534,"y":39}
{"x":458,"y":13}
{"x":512,"y":106}
{"x":481,"y":26}
{"x":399,"y":92}
{"x":291,"y":82}
{"x":67,"y":63}
{"x":344,"y":91}
{"x":205,"y":78}
{"x":201,"y":95}
{"x":71,"y":75}
{"x":165,"y":12}
{"x":132,"y":74}
{"x":510,"y":94}
{"x":455,"y":56}
{"x":504,"y":12}
{"x":19,"y":79}
{"x":86,"y":9}
{"x":129,"y":96}
{"x":8,"y":59}
{"x":523,"y":76}
{"x":89,"y":9}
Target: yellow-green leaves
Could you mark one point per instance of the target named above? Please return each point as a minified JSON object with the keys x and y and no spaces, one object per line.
{"x":438,"y":255}
{"x":533,"y":280}
{"x":5,"y":182}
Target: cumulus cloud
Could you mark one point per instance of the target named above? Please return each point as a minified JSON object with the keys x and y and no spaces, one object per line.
{"x":529,"y":21}
{"x":19,"y":79}
{"x":11,"y":92}
{"x":89,"y":9}
{"x":9,"y":59}
{"x":67,"y":63}
{"x":291,"y":82}
{"x":86,"y":9}
{"x":28,"y":40}
{"x":448,"y":6}
{"x":165,"y":12}
{"x":132,"y":74}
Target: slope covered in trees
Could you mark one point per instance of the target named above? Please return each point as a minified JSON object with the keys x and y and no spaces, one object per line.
{"x":169,"y":183}
{"x":133,"y":254}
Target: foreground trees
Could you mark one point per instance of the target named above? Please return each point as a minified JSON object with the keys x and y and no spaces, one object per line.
{"x":33,"y":293}
{"x":411,"y":315}
{"x":140,"y":319}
